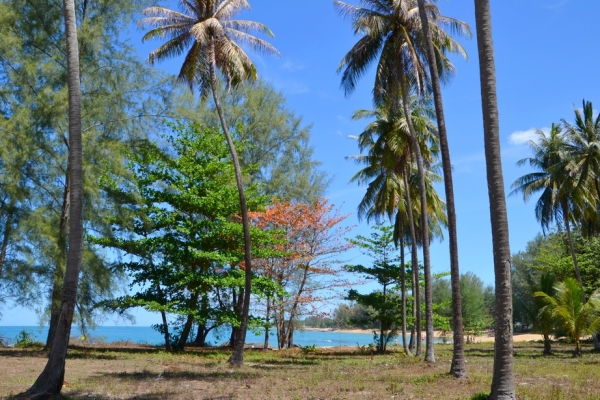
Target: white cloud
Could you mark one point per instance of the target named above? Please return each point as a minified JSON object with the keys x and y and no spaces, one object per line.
{"x":557,"y":4}
{"x":291,"y":66}
{"x":521,"y":137}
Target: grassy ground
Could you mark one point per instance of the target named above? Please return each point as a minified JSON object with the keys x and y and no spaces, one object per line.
{"x":144,"y":373}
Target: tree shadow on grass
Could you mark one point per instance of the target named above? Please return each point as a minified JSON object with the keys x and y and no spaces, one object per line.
{"x":37,"y":352}
{"x":180,"y":375}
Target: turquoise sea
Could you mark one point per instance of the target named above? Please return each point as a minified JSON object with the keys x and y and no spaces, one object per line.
{"x":147,"y":335}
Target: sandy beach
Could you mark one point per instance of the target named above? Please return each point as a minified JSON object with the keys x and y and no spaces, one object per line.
{"x":517,"y":337}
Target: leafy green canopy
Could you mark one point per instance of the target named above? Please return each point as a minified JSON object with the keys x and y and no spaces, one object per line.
{"x":276,"y":140}
{"x":177,"y":222}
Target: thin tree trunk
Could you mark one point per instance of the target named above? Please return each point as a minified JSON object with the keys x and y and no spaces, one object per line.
{"x":202,"y":331}
{"x":59,"y":271}
{"x":51,"y":379}
{"x":185,"y":333}
{"x":237,"y":358}
{"x":429,"y":353}
{"x":290,"y":335}
{"x":565,"y":208}
{"x":415,"y":266}
{"x":503,"y":385}
{"x":267,"y":319}
{"x":166,"y":330}
{"x":381,"y":341}
{"x":7,"y":231}
{"x":403,"y":288}
{"x":458,"y":367}
{"x":547,"y":345}
{"x":294,"y":308}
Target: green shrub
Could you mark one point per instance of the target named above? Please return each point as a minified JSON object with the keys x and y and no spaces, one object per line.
{"x":26,"y":339}
{"x":480,"y":396}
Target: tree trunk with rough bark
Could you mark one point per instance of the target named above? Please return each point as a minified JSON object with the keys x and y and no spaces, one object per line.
{"x":458,"y":367}
{"x":7,"y":232}
{"x":503,"y":385}
{"x":166,"y":330}
{"x":50,"y":381}
{"x":185,"y":333}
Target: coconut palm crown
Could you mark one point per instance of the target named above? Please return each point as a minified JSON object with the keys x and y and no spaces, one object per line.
{"x":391,"y":34}
{"x":207,"y":34}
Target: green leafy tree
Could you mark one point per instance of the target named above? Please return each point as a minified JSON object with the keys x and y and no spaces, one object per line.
{"x":206,"y":27}
{"x":277,"y":141}
{"x":476,"y":310}
{"x":380,"y":247}
{"x":179,"y":225}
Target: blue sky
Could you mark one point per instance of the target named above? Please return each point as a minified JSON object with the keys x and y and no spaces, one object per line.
{"x":547,"y":62}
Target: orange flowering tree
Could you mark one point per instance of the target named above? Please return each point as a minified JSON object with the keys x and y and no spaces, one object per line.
{"x":306,"y":266}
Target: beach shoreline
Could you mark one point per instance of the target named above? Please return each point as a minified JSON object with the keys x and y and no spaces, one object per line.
{"x":517,"y":337}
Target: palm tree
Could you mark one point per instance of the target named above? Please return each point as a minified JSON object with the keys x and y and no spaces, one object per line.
{"x":51,"y":379}
{"x":206,"y":27}
{"x":387,"y":173}
{"x":391,"y":32}
{"x":543,"y":320}
{"x":559,"y":192}
{"x":575,"y":316}
{"x":458,"y":367}
{"x":503,"y":384}
{"x":583,"y":152}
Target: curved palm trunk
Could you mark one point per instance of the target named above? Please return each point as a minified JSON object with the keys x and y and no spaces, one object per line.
{"x":503,"y":385}
{"x":59,"y":269}
{"x":429,"y":353}
{"x":237,"y":358}
{"x":415,"y":268}
{"x":51,"y":379}
{"x":458,"y":367}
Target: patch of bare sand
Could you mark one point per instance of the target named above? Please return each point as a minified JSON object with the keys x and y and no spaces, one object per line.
{"x":518,"y":337}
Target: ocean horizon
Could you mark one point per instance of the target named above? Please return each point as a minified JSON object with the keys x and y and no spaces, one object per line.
{"x":148,"y":335}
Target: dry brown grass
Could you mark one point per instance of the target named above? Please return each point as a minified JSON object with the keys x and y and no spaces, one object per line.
{"x":144,"y":373}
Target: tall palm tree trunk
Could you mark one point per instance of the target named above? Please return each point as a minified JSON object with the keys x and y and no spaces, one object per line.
{"x":59,"y":268}
{"x":51,"y":379}
{"x":237,"y":358}
{"x":565,"y":209}
{"x":403,"y":286}
{"x":429,"y":353}
{"x":415,"y":268}
{"x":458,"y":367}
{"x":503,"y":386}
